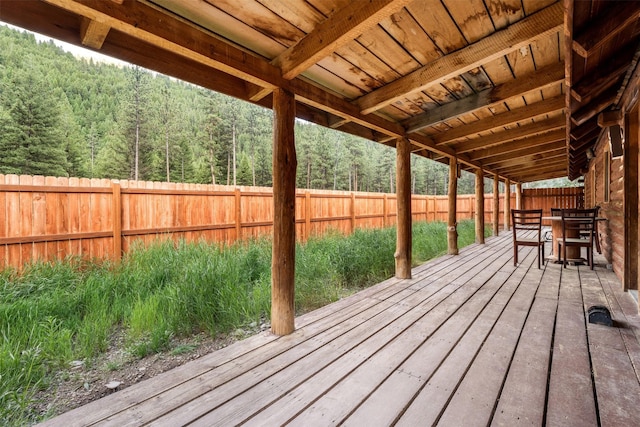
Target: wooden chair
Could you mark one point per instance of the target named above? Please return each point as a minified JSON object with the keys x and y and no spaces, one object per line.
{"x":527,"y":231}
{"x":596,"y":236}
{"x":574,"y":222}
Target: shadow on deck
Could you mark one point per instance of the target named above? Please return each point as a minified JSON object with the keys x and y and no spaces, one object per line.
{"x":470,"y":340}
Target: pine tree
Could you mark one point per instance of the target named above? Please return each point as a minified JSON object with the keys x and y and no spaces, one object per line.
{"x":30,"y":138}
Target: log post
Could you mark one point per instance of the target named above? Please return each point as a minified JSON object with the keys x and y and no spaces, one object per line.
{"x":452,"y":233}
{"x":284,"y":212}
{"x":630,"y":200}
{"x":507,"y":204}
{"x":403,"y":192}
{"x":479,"y":206}
{"x":496,"y":205}
{"x":519,"y":195}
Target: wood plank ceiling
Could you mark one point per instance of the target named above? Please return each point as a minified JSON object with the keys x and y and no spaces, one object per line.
{"x":480,"y":80}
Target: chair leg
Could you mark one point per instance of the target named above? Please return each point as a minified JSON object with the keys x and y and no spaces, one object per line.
{"x":515,"y":255}
{"x":596,"y":237}
{"x":564,"y":256}
{"x":538,"y":257}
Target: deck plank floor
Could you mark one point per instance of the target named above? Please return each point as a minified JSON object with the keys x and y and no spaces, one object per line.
{"x":470,"y":340}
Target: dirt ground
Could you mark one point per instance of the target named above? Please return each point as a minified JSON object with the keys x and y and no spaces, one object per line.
{"x":117,"y":369}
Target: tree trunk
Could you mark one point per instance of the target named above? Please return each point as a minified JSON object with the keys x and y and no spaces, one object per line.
{"x":233,"y":139}
{"x":166,"y":145}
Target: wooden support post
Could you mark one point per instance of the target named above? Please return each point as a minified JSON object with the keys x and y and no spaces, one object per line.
{"x":238,"y":200}
{"x":403,"y":191}
{"x":116,"y":208}
{"x":479,"y":206}
{"x":519,"y":195}
{"x":452,"y":233}
{"x":307,"y":214}
{"x":284,"y":213}
{"x":496,"y":205}
{"x":507,"y":204}
{"x":630,"y":200}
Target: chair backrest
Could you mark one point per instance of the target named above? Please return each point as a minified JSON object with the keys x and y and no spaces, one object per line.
{"x":526,"y":220}
{"x":575,"y":221}
{"x":556,"y":212}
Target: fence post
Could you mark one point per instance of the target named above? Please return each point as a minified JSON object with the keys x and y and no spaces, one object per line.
{"x":353,"y":212}
{"x":116,"y":208}
{"x":384,"y":210}
{"x":307,"y":214}
{"x":238,"y":197}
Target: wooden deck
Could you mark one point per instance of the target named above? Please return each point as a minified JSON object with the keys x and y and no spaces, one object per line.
{"x":470,"y":340}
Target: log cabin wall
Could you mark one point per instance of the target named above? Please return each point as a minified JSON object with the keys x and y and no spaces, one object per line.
{"x":611,"y":207}
{"x":605,"y":188}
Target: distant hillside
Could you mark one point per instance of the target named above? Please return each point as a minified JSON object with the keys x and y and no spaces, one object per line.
{"x":64,"y":116}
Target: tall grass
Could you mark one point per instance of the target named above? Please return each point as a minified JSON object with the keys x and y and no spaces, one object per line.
{"x":54,"y":313}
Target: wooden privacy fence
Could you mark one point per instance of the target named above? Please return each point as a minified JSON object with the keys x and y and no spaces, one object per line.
{"x":46,"y":218}
{"x":547,"y":198}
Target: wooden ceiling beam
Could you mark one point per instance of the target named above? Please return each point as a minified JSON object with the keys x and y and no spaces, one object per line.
{"x":603,"y":77}
{"x":524,"y":151}
{"x":504,"y":119}
{"x":540,"y":167}
{"x":610,"y":118}
{"x":615,"y":18}
{"x":510,"y":135}
{"x":342,"y":27}
{"x":93,"y":33}
{"x":532,"y":158}
{"x":515,"y":36}
{"x":586,"y":128}
{"x":531,"y":177}
{"x":592,"y":109}
{"x":538,"y":80}
{"x":141,"y":21}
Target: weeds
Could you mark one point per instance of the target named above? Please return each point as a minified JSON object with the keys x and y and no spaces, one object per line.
{"x":52,"y":314}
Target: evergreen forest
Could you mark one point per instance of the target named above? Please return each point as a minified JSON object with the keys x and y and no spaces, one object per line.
{"x":67,"y":116}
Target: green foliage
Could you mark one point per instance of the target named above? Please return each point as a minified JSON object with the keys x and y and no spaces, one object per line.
{"x":53,"y":313}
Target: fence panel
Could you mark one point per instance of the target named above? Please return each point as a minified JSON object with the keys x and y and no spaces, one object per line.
{"x":547,"y":198}
{"x":47,"y":218}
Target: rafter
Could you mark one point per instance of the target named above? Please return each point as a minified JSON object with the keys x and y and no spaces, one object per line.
{"x":615,"y":18}
{"x":520,"y":34}
{"x":603,"y":77}
{"x":509,"y":153}
{"x":532,"y":158}
{"x":504,"y":119}
{"x":537,"y":176}
{"x":539,"y":167}
{"x":592,"y":109}
{"x":538,"y":80}
{"x":141,"y":21}
{"x":340,"y":28}
{"x":93,"y":33}
{"x":510,"y":135}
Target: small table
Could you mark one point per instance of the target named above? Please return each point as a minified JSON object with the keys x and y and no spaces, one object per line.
{"x":573,"y":252}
